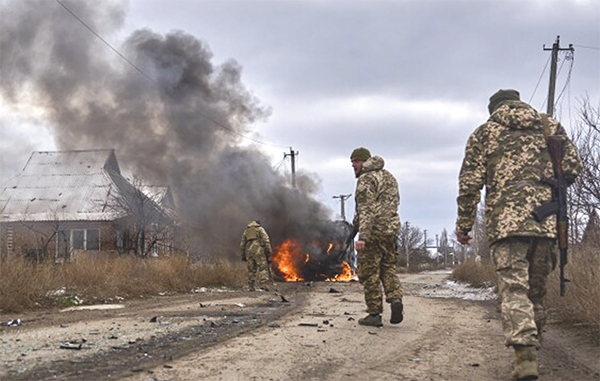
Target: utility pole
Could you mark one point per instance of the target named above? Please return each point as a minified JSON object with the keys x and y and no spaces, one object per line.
{"x":343,"y":198}
{"x":293,"y":155}
{"x":406,"y":243}
{"x":552,"y":83}
{"x":425,"y":239}
{"x":437,"y":250}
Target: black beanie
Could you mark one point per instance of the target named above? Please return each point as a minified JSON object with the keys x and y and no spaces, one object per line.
{"x":361,"y":154}
{"x":501,"y":96}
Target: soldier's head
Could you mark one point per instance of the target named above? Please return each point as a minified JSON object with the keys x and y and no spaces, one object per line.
{"x":358,"y":157}
{"x":501,"y":96}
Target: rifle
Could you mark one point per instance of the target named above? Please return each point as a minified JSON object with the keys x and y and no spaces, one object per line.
{"x":348,"y":242}
{"x":558,"y":205}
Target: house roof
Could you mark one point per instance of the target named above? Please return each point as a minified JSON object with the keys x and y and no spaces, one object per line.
{"x":65,"y":186}
{"x":160,"y":195}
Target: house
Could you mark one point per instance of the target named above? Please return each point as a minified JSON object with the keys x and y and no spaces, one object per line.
{"x":67,"y":202}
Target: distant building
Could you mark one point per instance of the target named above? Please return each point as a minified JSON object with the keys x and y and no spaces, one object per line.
{"x":68,"y":202}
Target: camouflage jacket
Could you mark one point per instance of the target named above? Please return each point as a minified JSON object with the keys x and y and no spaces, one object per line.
{"x":376,"y":200}
{"x":509,"y":155}
{"x":254,"y":231}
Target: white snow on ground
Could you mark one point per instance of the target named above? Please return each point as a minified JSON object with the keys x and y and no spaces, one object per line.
{"x":452,"y":289}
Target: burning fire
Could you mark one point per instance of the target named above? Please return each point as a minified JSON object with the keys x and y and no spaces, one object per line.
{"x":345,"y":276}
{"x":284,"y":260}
{"x":293,"y":262}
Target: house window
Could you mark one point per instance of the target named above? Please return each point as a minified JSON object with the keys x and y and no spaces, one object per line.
{"x":78,"y":239}
{"x":93,"y":239}
{"x":85,"y":239}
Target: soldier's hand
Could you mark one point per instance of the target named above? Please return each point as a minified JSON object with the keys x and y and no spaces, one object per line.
{"x":463,"y":238}
{"x":359,"y":245}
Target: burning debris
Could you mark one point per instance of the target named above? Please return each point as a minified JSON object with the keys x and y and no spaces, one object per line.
{"x":324,"y":257}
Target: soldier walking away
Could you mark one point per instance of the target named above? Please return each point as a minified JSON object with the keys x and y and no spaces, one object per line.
{"x":509,"y":156}
{"x":378,"y":224}
{"x":255,"y":249}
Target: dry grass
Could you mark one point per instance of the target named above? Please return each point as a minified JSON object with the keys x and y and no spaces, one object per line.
{"x":476,"y":273}
{"x":581,"y":303}
{"x":26,"y":285}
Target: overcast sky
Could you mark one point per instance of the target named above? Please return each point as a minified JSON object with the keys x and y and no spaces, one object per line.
{"x":409,"y":80}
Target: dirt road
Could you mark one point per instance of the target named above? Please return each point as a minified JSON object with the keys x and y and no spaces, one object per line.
{"x":299,"y":332}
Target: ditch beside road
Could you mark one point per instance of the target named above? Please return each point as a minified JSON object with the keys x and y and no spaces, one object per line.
{"x":299,"y":331}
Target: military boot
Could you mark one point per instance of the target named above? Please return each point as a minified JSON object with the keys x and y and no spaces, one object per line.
{"x":397,"y":308}
{"x":526,"y":367}
{"x":373,"y":320}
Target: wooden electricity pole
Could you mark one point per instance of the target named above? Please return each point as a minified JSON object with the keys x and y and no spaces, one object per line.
{"x":343,"y":198}
{"x":552,"y":83}
{"x":293,"y":155}
{"x":406,"y":248}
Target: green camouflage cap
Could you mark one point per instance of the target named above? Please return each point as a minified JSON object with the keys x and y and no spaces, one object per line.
{"x":502,"y":96}
{"x":361,"y":154}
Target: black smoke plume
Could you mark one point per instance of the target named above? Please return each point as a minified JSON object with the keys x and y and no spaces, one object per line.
{"x":174,"y":119}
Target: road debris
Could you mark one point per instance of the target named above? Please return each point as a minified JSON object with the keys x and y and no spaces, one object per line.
{"x":11,"y":323}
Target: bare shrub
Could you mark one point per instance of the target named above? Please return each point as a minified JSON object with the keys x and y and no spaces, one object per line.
{"x":477,"y":273}
{"x":25,"y":285}
{"x":581,"y":303}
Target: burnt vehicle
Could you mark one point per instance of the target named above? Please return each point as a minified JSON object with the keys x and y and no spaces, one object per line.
{"x":329,"y":256}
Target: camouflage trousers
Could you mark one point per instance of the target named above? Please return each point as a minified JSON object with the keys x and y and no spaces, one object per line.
{"x":377,"y":266}
{"x":523,"y":265}
{"x":258,"y":268}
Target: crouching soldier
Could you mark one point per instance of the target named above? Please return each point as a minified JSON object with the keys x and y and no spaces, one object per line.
{"x":255,"y":249}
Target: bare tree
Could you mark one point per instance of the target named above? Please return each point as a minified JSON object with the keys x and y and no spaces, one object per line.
{"x":585,"y":192}
{"x":36,"y":243}
{"x":445,"y":249}
{"x":145,"y":224}
{"x":481,"y":246}
{"x":411,"y":250}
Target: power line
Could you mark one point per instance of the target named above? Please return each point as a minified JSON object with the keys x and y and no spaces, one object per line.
{"x":276,"y":167}
{"x":155,"y":82}
{"x":586,"y":47}
{"x":106,"y":42}
{"x":570,"y":56}
{"x":539,"y":80}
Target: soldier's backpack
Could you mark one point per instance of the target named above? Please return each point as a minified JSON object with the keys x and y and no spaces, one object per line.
{"x":252,"y":233}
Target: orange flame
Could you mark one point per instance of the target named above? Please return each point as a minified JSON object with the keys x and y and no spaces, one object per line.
{"x":284,"y":259}
{"x":329,"y":247}
{"x":345,"y":276}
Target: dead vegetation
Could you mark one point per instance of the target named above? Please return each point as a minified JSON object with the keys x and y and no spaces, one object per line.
{"x":107,"y":277}
{"x":580,"y":305}
{"x":477,"y":273}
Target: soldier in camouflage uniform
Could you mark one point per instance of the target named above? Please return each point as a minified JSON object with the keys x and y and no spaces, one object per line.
{"x":378,"y":225}
{"x":509,"y":155}
{"x":255,"y":249}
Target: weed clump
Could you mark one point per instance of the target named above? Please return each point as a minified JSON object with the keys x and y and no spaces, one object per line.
{"x":475,"y":272}
{"x":107,"y":276}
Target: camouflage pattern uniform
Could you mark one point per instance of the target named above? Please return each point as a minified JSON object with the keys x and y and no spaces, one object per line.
{"x":376,"y":217}
{"x":509,"y":155}
{"x":255,"y":248}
